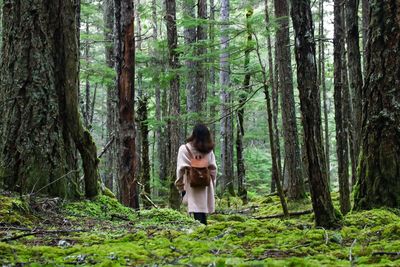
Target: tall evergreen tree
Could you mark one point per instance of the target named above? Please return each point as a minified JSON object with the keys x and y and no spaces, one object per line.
{"x":311,"y":112}
{"x":226,"y":123}
{"x":294,"y":179}
{"x":340,"y":116}
{"x":174,"y":129}
{"x":125,"y":68}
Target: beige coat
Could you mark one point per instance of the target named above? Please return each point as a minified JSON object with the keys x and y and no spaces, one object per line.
{"x":197,"y":199}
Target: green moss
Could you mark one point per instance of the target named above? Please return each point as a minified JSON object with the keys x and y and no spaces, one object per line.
{"x":166,"y":237}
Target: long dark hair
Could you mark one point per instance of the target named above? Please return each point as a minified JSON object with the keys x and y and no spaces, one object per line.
{"x":201,"y":139}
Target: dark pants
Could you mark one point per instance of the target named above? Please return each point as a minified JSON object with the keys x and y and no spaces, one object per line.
{"x":201,"y":217}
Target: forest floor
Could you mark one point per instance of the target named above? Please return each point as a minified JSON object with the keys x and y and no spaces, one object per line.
{"x":50,"y":232}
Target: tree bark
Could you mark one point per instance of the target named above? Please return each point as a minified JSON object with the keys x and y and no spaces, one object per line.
{"x":174,"y":130}
{"x":192,"y":95}
{"x":340,"y":116}
{"x":311,"y":112}
{"x":40,"y":65}
{"x":227,"y":176}
{"x":324,"y":89}
{"x":378,"y":182}
{"x":355,"y":75}
{"x":125,"y":67}
{"x":111,"y":95}
{"x":213,"y":93}
{"x":365,"y":26}
{"x":241,"y":171}
{"x":275,"y":95}
{"x":295,"y":185}
{"x":201,"y":43}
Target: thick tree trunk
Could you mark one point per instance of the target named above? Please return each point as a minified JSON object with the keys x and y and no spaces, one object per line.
{"x":28,"y":79}
{"x":125,"y":66}
{"x":111,"y":95}
{"x":311,"y":112}
{"x":295,"y":185}
{"x":355,"y":75}
{"x":378,"y":182}
{"x":340,"y":116}
{"x":241,"y":171}
{"x":227,"y":178}
{"x":174,"y":130}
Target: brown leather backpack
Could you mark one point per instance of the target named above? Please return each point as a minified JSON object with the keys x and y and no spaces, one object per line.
{"x":198,"y":173}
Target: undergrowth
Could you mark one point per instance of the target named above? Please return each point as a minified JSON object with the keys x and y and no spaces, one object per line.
{"x":113,"y":235}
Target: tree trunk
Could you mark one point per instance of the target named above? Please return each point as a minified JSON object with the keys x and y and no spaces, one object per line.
{"x":241,"y":171}
{"x":35,"y":72}
{"x":324,"y":89}
{"x":270,"y":132}
{"x":192,"y":95}
{"x":311,"y":112}
{"x":355,"y":75}
{"x":365,"y":26}
{"x":111,"y":95}
{"x":143,"y":149}
{"x":213,"y":93}
{"x":378,"y":182}
{"x":201,"y":39}
{"x":125,"y":67}
{"x":275,"y":96}
{"x":174,"y":130}
{"x":226,"y":123}
{"x":340,"y":116}
{"x":295,"y":185}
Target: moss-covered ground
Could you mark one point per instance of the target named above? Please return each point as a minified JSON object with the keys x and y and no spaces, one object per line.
{"x":112,"y":235}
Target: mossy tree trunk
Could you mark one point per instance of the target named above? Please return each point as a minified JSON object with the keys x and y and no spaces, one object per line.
{"x":311,"y":113}
{"x":39,"y":78}
{"x":241,"y":170}
{"x":379,"y":165}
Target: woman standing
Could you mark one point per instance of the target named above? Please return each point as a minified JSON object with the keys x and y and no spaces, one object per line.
{"x":199,"y":148}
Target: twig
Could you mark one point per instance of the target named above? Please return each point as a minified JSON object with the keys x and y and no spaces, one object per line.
{"x":146,"y":196}
{"x":296,"y":213}
{"x":39,"y":233}
{"x":382,"y":253}
{"x":351,"y":250}
{"x":325,"y":235}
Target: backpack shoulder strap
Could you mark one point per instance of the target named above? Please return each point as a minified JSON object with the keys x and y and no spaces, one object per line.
{"x":190,"y":152}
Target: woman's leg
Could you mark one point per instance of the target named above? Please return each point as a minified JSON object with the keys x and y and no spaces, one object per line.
{"x":201,"y":217}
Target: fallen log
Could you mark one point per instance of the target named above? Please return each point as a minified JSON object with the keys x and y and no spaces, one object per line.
{"x":296,"y":213}
{"x":39,"y":232}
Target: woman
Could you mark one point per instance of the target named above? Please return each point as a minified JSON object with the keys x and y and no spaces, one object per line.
{"x":200,"y":200}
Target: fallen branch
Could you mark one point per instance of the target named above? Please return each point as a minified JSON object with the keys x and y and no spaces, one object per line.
{"x":296,"y":213}
{"x":39,"y":232}
{"x":351,"y":252}
{"x":383,"y":253}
